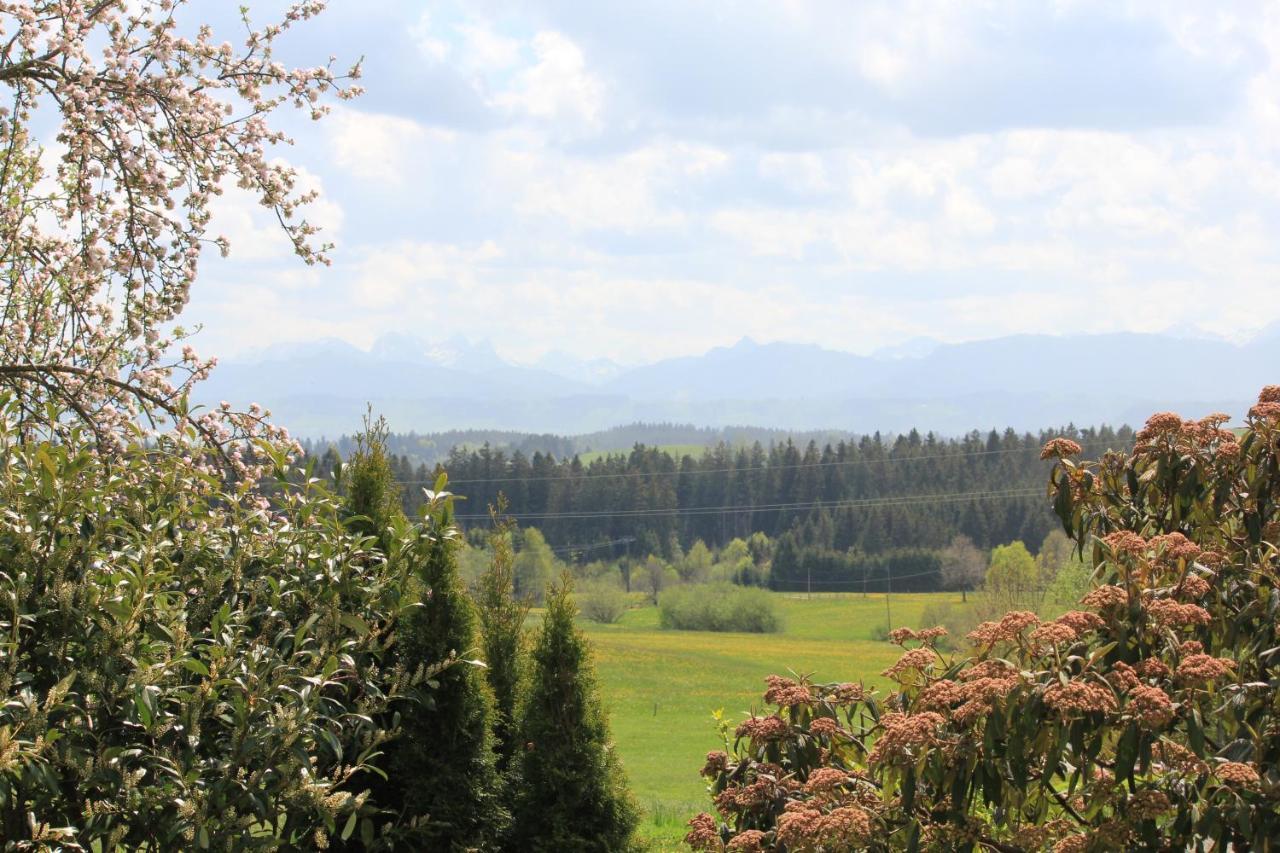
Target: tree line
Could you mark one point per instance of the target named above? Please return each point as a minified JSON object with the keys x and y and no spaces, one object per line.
{"x":837,"y":505}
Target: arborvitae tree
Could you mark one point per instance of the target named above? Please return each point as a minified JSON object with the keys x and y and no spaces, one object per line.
{"x":442,"y":767}
{"x":369,"y":482}
{"x":573,"y":792}
{"x":502,"y":618}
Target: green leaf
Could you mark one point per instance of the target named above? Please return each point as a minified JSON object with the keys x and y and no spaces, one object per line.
{"x":1195,"y":734}
{"x":350,"y":826}
{"x":913,"y":837}
{"x":46,"y":461}
{"x":196,"y":666}
{"x":909,"y":790}
{"x":144,"y":712}
{"x":1253,"y":524}
{"x":1127,"y":753}
{"x":354,"y":622}
{"x":300,"y":634}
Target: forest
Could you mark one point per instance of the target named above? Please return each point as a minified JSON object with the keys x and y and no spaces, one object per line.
{"x":848,"y":515}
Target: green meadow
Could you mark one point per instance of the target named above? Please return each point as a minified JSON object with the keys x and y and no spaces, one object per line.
{"x":662,"y":687}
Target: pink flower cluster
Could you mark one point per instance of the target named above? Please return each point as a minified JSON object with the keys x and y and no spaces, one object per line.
{"x":786,"y":692}
{"x":904,"y":736}
{"x":1060,"y":448}
{"x":152,"y":123}
{"x":1009,"y":628}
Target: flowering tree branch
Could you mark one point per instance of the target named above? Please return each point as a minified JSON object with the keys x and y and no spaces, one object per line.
{"x":101,"y":233}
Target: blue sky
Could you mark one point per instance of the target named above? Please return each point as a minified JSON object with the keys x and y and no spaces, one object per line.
{"x":642,"y":180}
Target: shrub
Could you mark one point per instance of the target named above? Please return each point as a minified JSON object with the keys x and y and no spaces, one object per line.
{"x":1145,"y":721}
{"x":573,"y":793}
{"x":602,"y":601}
{"x":719,"y":607}
{"x":188,"y":666}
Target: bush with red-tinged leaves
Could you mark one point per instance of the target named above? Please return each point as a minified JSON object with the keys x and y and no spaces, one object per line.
{"x":1146,"y":719}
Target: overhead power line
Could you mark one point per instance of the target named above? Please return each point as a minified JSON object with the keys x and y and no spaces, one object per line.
{"x":804,"y":584}
{"x":582,"y":549}
{"x":902,"y":500}
{"x":850,"y":463}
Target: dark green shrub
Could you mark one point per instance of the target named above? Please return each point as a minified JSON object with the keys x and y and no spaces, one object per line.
{"x":719,"y":607}
{"x":187,"y":666}
{"x":573,"y":793}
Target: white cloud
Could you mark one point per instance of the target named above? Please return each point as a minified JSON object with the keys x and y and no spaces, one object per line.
{"x":378,"y":147}
{"x":623,"y":192}
{"x":401,"y":276}
{"x":485,"y":49}
{"x":586,"y":213}
{"x":557,"y":86}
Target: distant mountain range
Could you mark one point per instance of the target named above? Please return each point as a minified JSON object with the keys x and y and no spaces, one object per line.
{"x":1023,"y":381}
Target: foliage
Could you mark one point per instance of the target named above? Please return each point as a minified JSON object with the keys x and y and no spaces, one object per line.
{"x":1063,"y":571}
{"x":152,"y":119}
{"x":441,"y":773}
{"x":372,"y":496}
{"x":1012,"y":582}
{"x":719,"y":607}
{"x":1056,"y":551}
{"x":602,"y":601}
{"x":1146,"y":720}
{"x":187,"y":666}
{"x":657,"y":576}
{"x":696,"y":565}
{"x":573,"y":794}
{"x":659,"y":686}
{"x":838,"y":496}
{"x":502,"y":618}
{"x":963,"y":565}
{"x":535,"y":565}
{"x":814,"y":569}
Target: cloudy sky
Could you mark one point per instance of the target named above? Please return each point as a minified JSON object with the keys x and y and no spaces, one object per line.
{"x":640,"y":180}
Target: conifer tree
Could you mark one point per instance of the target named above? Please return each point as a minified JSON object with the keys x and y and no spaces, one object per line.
{"x":502,"y":618}
{"x":368,"y":479}
{"x":573,"y":793}
{"x":441,"y":769}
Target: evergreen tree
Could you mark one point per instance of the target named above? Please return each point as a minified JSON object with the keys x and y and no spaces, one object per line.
{"x":442,"y":768}
{"x":369,"y":482}
{"x":502,"y":633}
{"x":573,"y":792}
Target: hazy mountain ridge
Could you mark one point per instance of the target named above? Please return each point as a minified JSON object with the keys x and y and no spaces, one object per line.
{"x":1023,"y":381}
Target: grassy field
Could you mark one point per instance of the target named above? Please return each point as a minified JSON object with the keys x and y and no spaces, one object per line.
{"x":661,"y":687}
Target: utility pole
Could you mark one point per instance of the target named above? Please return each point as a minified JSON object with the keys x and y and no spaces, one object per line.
{"x":888,"y":614}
